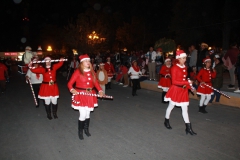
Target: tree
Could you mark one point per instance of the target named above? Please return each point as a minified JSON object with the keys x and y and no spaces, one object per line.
{"x":204,"y":21}
{"x":167,"y":45}
{"x":131,"y":35}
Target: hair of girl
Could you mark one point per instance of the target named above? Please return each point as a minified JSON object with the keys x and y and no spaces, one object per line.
{"x":81,"y":70}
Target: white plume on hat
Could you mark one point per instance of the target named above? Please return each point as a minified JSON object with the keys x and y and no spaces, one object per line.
{"x":28,"y":48}
{"x":39,"y":48}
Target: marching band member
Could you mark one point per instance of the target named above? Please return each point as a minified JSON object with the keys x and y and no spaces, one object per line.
{"x":49,"y":88}
{"x":205,"y":76}
{"x":165,"y":80}
{"x":73,"y":65}
{"x":28,"y":55}
{"x":178,"y":92}
{"x":86,"y":81}
{"x":110,"y":71}
{"x":35,"y":79}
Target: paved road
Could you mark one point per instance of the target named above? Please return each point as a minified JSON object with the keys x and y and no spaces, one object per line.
{"x":127,"y":128}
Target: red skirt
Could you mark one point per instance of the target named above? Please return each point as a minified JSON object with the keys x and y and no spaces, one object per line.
{"x":48,"y":91}
{"x":204,"y":90}
{"x":164,"y":83}
{"x":84,"y":101}
{"x":177,"y":96}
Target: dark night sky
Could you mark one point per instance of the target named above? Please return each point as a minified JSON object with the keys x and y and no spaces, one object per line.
{"x":157,"y":15}
{"x":58,"y":12}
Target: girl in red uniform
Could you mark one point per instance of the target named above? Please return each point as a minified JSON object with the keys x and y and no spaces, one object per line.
{"x":178,"y":92}
{"x":205,"y":76}
{"x":86,"y":81}
{"x":49,"y":88}
{"x":165,"y":80}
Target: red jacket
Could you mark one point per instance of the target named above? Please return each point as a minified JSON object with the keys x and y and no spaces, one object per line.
{"x":110,"y":69}
{"x":83,"y":81}
{"x":47,"y":90}
{"x":205,"y":75}
{"x":232,"y":54}
{"x":165,"y":70}
{"x":178,"y":91}
{"x":3,"y":69}
{"x":124,"y":69}
{"x":193,"y":76}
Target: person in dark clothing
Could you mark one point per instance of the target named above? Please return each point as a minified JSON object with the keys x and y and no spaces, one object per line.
{"x":202,"y":54}
{"x":218,"y":81}
{"x":238,"y":73}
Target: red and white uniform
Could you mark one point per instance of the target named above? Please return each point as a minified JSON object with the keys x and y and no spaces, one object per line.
{"x":205,"y":75}
{"x":178,"y":92}
{"x":110,"y":69}
{"x":82,"y":83}
{"x":46,"y":90}
{"x":165,"y":80}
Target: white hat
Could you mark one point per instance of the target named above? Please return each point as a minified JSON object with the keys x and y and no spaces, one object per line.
{"x":28,"y":48}
{"x":47,"y":59}
{"x":217,"y":56}
{"x":39,"y":48}
{"x":167,"y":59}
{"x":180,"y":54}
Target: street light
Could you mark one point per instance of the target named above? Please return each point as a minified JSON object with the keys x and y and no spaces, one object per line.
{"x":49,"y":48}
{"x":93,"y":36}
{"x":74,"y":52}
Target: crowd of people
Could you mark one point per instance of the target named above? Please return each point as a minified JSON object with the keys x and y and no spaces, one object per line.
{"x":90,"y":76}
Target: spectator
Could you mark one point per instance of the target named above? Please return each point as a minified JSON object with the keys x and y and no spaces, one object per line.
{"x":230,"y":59}
{"x":193,"y":56}
{"x":8,"y":63}
{"x":73,"y":66}
{"x":159,"y":60}
{"x":218,"y":81}
{"x":238,"y":73}
{"x":124,"y":57}
{"x":193,"y":77}
{"x":202,"y":54}
{"x":124,"y":71}
{"x":94,"y":65}
{"x":151,"y":56}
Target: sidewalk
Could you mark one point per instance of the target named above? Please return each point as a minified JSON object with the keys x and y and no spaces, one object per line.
{"x":233,"y":101}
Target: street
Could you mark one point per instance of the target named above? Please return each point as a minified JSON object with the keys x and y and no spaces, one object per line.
{"x":126,"y":128}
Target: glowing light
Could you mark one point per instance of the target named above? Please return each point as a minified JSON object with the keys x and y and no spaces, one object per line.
{"x":93,"y":36}
{"x":74,"y":51}
{"x":49,"y":48}
{"x":209,"y":48}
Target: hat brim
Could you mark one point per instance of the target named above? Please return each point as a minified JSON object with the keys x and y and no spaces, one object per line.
{"x":181,"y":55}
{"x":85,"y":59}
